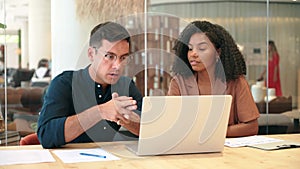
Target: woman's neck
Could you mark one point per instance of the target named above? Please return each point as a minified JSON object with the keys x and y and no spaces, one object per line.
{"x":207,"y":75}
{"x":205,"y":81}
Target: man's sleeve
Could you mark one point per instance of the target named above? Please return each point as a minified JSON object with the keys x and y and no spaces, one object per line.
{"x":55,"y":110}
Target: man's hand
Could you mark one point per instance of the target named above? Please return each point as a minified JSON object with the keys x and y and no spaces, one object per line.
{"x":118,"y":108}
{"x":131,"y":120}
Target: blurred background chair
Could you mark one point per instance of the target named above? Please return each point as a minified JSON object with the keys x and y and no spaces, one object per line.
{"x":22,"y":75}
{"x":31,"y":139}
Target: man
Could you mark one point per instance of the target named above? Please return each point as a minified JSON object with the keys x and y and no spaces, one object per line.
{"x":93,"y":103}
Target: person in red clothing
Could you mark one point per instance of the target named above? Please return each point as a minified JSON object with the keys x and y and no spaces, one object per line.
{"x":273,"y":69}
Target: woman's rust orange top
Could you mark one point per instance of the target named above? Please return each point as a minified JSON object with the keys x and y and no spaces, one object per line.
{"x":243,"y":107}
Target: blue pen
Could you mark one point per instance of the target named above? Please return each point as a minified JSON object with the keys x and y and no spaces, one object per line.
{"x":92,"y":155}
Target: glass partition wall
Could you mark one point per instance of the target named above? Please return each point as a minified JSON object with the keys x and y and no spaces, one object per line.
{"x":154,"y":26}
{"x":253,"y":24}
{"x":3,"y":113}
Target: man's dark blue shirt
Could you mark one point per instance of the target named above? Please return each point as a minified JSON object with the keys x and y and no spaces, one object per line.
{"x":72,"y":92}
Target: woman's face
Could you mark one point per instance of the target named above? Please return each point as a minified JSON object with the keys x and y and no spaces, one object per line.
{"x":202,"y":54}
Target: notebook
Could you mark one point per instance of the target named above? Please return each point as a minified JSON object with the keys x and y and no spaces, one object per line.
{"x":284,"y":144}
{"x":182,"y":124}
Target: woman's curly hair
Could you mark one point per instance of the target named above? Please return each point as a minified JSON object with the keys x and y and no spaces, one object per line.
{"x":231,"y":58}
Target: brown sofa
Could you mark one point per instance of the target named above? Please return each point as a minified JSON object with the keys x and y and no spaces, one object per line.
{"x":275,"y":121}
{"x":22,"y":99}
{"x":23,"y":106}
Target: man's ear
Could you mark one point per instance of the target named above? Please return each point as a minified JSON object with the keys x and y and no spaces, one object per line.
{"x":91,"y":53}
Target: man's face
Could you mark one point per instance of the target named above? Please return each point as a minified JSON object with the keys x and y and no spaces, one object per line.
{"x":108,"y":61}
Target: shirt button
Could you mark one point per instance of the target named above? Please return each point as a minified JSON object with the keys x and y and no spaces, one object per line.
{"x":100,"y":95}
{"x":98,"y":86}
{"x":104,"y":128}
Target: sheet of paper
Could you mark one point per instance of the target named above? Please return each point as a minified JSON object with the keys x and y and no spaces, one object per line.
{"x":250,"y":140}
{"x":8,"y":157}
{"x":75,"y":155}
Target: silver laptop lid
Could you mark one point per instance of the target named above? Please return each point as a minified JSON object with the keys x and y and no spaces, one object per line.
{"x":183,"y":124}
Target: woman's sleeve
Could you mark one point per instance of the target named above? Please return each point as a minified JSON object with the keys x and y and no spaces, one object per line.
{"x":245,"y":107}
{"x":173,"y":88}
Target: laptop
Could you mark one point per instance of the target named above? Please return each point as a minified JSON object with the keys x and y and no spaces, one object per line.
{"x":182,"y":124}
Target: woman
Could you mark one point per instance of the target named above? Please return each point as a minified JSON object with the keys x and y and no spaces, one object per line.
{"x":273,"y":68}
{"x":42,"y":75}
{"x":43,"y":70}
{"x":209,"y":62}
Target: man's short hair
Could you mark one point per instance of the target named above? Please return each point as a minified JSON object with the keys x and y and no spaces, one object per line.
{"x":110,"y":31}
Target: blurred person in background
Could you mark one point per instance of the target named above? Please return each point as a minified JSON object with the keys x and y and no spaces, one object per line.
{"x":273,"y":69}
